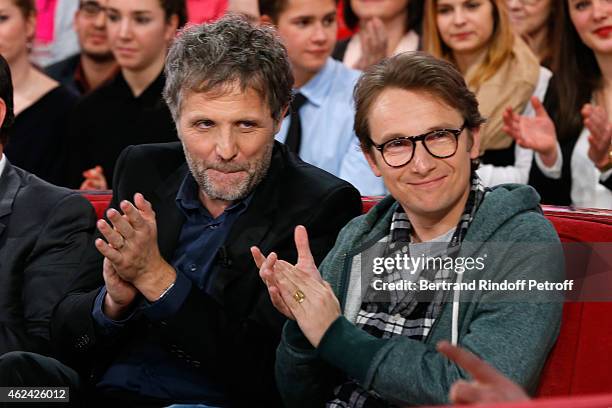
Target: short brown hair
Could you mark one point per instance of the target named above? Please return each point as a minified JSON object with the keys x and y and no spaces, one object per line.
{"x":177,"y":7}
{"x":413,"y":71}
{"x":27,"y":7}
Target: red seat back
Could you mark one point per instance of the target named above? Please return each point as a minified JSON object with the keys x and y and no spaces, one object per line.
{"x":98,"y":199}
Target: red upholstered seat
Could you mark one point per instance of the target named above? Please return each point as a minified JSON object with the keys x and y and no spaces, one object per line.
{"x":99,"y":199}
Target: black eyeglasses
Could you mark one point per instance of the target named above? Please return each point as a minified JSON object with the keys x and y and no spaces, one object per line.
{"x":440,"y":143}
{"x":91,"y":8}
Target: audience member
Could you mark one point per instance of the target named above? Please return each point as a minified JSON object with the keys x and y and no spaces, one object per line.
{"x":44,"y":230}
{"x":352,"y":345}
{"x":580,"y":107}
{"x":504,"y":74}
{"x":55,"y":37}
{"x":95,"y":63}
{"x":129,"y":109}
{"x":42,"y":106}
{"x":386,"y":28}
{"x":172,"y":309}
{"x":320,"y":127}
{"x":534,"y":21}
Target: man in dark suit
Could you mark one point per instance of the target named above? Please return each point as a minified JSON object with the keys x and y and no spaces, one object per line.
{"x":43,"y":232}
{"x":169,"y":306}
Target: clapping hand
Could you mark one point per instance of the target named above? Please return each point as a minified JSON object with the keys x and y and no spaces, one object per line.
{"x":131,"y":248}
{"x":600,"y":138}
{"x":374,"y":43}
{"x":94,"y":179}
{"x":298,"y":291}
{"x":535,"y":133}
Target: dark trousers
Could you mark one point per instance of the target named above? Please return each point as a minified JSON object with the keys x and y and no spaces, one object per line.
{"x":23,"y":369}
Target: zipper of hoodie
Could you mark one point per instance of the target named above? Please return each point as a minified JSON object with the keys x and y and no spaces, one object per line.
{"x":346,"y":268}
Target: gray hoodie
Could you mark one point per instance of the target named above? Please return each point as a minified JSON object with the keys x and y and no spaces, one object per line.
{"x":514,"y":336}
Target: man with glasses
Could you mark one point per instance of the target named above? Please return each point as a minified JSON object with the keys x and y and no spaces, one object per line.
{"x":85,"y":71}
{"x":365,"y":327}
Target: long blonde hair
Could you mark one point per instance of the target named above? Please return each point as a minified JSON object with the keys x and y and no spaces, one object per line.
{"x":498,"y":51}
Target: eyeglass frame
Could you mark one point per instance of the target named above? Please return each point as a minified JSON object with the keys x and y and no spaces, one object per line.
{"x":84,"y":3}
{"x":414,"y":139}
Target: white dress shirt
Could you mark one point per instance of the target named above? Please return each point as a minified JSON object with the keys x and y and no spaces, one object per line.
{"x":328,"y":140}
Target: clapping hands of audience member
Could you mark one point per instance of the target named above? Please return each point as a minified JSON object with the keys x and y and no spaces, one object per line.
{"x":94,"y":179}
{"x":374,"y":43}
{"x":132,"y":259}
{"x":488,"y":384}
{"x":600,"y":138}
{"x":298,"y":291}
{"x":537,"y":133}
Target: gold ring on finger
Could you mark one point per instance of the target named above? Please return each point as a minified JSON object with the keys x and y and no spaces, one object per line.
{"x":299,"y":296}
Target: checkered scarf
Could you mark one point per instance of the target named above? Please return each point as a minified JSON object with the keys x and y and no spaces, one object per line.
{"x":403,"y":313}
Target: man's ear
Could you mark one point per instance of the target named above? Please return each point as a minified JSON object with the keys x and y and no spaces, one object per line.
{"x":475,"y":148}
{"x":369,"y":155}
{"x":278,"y":123}
{"x":266,"y":20}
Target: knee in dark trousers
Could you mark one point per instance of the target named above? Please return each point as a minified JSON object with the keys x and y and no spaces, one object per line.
{"x":24,"y":369}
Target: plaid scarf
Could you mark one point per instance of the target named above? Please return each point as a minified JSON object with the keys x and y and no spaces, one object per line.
{"x":404,"y":313}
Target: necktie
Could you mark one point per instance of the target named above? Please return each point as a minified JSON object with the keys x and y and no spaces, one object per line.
{"x":294,"y":134}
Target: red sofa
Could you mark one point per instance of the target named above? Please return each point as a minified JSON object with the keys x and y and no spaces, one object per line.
{"x":581,"y":361}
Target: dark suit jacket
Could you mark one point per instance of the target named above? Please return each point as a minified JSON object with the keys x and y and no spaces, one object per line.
{"x":43,"y":233}
{"x":63,"y":72}
{"x":234,"y":332}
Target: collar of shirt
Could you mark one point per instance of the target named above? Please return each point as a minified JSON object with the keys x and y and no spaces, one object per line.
{"x":320,"y":85}
{"x":2,"y":164}
{"x":80,"y":79}
{"x":188,"y":200}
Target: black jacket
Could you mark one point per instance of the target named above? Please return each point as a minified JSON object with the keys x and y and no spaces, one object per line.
{"x":44,"y":230}
{"x":63,"y":72}
{"x":233,"y":333}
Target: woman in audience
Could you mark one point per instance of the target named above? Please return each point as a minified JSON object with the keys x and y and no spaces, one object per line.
{"x":128,"y":110}
{"x":502,"y":71}
{"x":534,"y":21}
{"x":579,"y":102}
{"x":386,"y":28}
{"x":41,"y":104}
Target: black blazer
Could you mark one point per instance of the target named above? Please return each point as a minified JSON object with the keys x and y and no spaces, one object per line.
{"x":44,"y":230}
{"x":234,"y":332}
{"x":63,"y":72}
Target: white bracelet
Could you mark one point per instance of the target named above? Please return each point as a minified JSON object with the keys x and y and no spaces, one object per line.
{"x":165,"y":291}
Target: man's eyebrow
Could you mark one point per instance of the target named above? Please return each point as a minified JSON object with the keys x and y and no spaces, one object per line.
{"x":392,"y":136}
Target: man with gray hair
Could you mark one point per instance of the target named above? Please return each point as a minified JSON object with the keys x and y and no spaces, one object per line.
{"x":169,"y":307}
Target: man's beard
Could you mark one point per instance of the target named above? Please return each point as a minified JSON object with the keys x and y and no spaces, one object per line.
{"x":99,"y":57}
{"x":256,"y":171}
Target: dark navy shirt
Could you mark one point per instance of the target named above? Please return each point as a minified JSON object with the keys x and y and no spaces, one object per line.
{"x":144,"y":366}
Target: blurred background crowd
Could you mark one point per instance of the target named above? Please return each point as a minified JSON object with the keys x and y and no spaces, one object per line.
{"x":88,"y":77}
